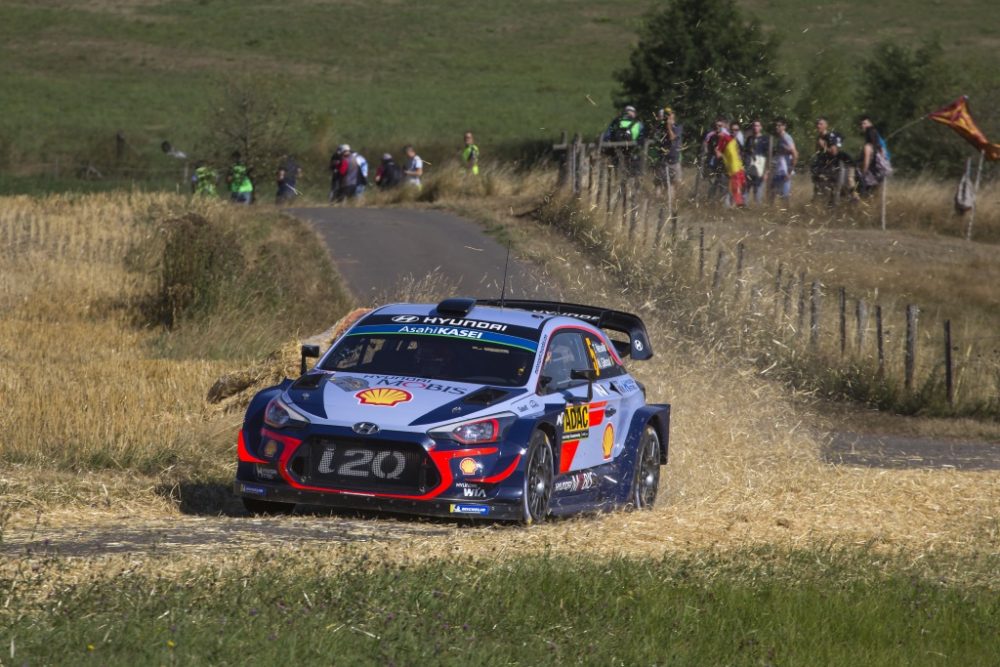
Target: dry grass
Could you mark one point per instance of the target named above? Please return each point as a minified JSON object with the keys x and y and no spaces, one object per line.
{"x":744,"y":472}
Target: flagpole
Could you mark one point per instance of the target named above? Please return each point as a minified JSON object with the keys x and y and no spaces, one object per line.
{"x":975,"y":196}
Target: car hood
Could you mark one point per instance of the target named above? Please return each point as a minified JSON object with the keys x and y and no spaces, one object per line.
{"x":392,"y":401}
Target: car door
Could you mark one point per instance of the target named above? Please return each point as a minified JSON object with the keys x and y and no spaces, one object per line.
{"x":582,"y":423}
{"x":607,"y":420}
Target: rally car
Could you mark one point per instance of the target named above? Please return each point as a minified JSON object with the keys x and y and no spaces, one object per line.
{"x":504,"y":410}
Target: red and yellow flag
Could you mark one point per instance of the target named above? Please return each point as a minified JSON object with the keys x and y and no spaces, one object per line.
{"x":957,"y":116}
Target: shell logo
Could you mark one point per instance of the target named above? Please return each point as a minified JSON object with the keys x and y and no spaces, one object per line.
{"x":468,"y":466}
{"x":383,"y":396}
{"x":609,"y":441}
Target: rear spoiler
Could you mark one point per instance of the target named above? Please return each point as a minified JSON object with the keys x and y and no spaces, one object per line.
{"x":638,"y":346}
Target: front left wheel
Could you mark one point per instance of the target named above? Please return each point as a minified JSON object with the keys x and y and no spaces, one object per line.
{"x":646,"y":483}
{"x":538,"y":475}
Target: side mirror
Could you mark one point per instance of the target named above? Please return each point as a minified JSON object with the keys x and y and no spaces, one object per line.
{"x":543,"y":384}
{"x":308,"y":351}
{"x":588,"y":374}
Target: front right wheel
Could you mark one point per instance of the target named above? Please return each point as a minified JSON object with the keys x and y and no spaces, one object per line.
{"x":646,"y":483}
{"x":538,"y":475}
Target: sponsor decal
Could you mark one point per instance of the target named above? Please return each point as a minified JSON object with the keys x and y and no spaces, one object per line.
{"x":253,"y":490}
{"x":602,"y":355}
{"x":608,"y":443}
{"x":461,"y":508}
{"x":576,"y":421}
{"x":638,"y":345}
{"x":581,"y":481}
{"x":469,"y":324}
{"x":265,"y":472}
{"x":626,"y":386}
{"x":479,"y":333}
{"x":454,"y":332}
{"x":385,"y":397}
{"x":270,"y":449}
{"x":600,"y":390}
{"x":540,"y":357}
{"x":349,"y":383}
{"x":468,"y":466}
{"x":474,"y":492}
{"x":406,"y":319}
{"x":592,"y":355}
{"x":386,"y":464}
{"x":414,"y":383}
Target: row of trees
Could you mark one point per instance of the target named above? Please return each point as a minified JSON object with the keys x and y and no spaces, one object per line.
{"x":703,"y":57}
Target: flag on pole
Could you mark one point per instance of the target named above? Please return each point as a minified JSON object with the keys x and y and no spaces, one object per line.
{"x":957,"y":116}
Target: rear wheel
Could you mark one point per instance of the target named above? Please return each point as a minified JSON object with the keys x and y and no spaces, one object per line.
{"x":257,"y":507}
{"x":646,"y":483}
{"x":537,"y":479}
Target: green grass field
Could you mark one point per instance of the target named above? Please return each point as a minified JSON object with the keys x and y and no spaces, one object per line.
{"x":798,"y":608}
{"x":379,"y":74}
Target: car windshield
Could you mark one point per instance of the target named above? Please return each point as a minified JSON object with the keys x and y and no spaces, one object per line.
{"x":433,"y":357}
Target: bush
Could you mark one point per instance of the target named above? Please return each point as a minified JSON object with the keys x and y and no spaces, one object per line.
{"x":201,"y":260}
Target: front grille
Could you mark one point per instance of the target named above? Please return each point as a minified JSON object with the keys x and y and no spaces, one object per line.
{"x":376,"y":466}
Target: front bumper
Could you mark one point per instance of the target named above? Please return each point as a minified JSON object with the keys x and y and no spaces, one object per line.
{"x":441,"y":507}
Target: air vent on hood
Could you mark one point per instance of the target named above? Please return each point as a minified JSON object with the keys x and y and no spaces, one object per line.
{"x":486,"y":396}
{"x":309,"y":381}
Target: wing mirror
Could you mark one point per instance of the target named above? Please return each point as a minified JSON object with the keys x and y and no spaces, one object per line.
{"x":588,"y":374}
{"x":308,"y":351}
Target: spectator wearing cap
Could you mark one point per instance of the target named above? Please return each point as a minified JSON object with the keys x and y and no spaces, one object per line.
{"x":388,"y":175}
{"x":836,"y":168}
{"x":666,"y":140}
{"x":625,"y":128}
{"x":351,"y":174}
{"x":414,"y":168}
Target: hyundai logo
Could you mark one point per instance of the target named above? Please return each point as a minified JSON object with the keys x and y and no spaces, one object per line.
{"x":406,"y":319}
{"x":366,"y":428}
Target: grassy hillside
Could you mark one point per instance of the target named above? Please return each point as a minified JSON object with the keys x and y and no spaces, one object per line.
{"x":376,"y":74}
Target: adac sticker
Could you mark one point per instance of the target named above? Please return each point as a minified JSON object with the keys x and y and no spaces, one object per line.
{"x":608,"y":444}
{"x":576,"y":421}
{"x":456,"y":508}
{"x":383,"y":396}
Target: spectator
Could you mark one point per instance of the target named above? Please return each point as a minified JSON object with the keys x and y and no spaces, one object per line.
{"x":204,"y":180}
{"x":816,"y":164}
{"x":727,"y":150}
{"x":666,"y":138}
{"x":785,"y":157}
{"x":414,"y":167}
{"x":350,"y":174}
{"x":470,"y":155}
{"x":874,"y":159}
{"x":625,"y":128}
{"x":836,"y":170}
{"x":240,"y":183}
{"x":734,"y":129}
{"x":712,"y":168}
{"x":388,"y":175}
{"x":755,"y":158}
{"x":287,"y":176}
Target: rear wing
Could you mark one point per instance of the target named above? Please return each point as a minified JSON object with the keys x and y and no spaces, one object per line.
{"x":638,"y":346}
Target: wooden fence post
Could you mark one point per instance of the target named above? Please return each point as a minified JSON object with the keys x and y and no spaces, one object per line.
{"x":673,"y":230}
{"x":802,"y":304}
{"x":814,"y":305}
{"x":571,"y":164}
{"x":861,"y":313}
{"x":949,"y":369}
{"x":717,"y":276}
{"x":577,"y":163}
{"x":661,"y":220}
{"x":739,"y":267}
{"x":843,"y":321}
{"x":911,"y":344}
{"x":610,"y":185}
{"x":701,"y":253}
{"x":880,"y":341}
{"x":601,"y":176}
{"x":625,"y":201}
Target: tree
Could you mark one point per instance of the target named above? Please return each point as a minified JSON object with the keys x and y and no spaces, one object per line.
{"x":703,"y":59}
{"x":899,"y":85}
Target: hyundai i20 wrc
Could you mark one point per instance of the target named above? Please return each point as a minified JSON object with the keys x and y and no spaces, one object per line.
{"x":511,"y":410}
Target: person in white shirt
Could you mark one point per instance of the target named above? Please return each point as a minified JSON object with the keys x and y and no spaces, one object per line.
{"x":414,"y":166}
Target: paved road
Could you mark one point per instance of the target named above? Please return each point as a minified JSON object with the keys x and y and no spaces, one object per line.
{"x":379,"y":250}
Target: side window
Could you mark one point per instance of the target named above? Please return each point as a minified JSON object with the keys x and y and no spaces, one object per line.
{"x":601,"y":359}
{"x":566,"y":352}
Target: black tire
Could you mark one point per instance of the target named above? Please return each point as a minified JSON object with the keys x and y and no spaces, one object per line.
{"x":257,"y":507}
{"x":646,"y":483}
{"x":538,"y":473}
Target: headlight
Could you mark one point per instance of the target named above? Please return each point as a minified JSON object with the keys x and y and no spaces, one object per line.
{"x":477,"y":431}
{"x":278,"y":414}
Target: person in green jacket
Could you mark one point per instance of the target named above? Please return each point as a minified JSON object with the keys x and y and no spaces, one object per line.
{"x":470,"y":155}
{"x":203,"y":182}
{"x":240,"y":185}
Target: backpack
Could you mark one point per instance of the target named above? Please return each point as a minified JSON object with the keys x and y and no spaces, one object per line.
{"x":621,"y":130}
